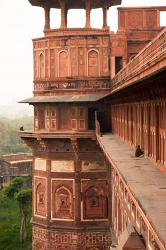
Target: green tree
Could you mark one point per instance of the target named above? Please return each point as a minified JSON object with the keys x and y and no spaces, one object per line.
{"x":14,"y":187}
{"x":24,"y":198}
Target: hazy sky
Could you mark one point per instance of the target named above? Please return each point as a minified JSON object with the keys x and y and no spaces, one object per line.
{"x":19,"y":23}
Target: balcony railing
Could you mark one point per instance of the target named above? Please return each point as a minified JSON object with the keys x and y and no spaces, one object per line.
{"x":154,"y":52}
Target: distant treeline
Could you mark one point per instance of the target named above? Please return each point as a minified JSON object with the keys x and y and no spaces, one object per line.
{"x":10,"y":143}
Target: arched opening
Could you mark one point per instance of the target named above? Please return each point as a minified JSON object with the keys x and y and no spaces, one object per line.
{"x":93,"y":63}
{"x":63,"y":64}
{"x":40,"y":200}
{"x":41,"y":73}
{"x":95,"y":203}
{"x":63,"y":203}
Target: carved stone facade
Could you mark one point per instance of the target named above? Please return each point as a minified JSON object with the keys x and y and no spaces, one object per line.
{"x":45,"y":239}
{"x":75,"y":190}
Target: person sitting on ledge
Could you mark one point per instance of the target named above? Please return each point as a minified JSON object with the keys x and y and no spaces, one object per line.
{"x":138,"y":151}
{"x":21,"y":128}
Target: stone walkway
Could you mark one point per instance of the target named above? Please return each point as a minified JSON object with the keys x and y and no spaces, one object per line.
{"x":144,"y":179}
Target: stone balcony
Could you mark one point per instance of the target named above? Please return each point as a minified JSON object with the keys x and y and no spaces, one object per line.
{"x":150,"y":60}
{"x":43,"y":134}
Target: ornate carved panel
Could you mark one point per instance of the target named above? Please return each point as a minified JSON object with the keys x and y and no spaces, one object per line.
{"x":135,"y":19}
{"x":62,"y":166}
{"x":122,"y":19}
{"x":81,"y":62}
{"x":40,"y":196}
{"x":94,"y":199}
{"x":93,"y":63}
{"x":62,"y":199}
{"x":52,"y":63}
{"x":41,"y":66}
{"x":74,"y":61}
{"x":151,"y":18}
{"x":63,"y":64}
{"x":70,"y":240}
{"x":90,"y":166}
{"x":47,"y":59}
{"x":105,"y":61}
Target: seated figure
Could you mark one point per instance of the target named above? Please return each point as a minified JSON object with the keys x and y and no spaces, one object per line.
{"x":138,"y":151}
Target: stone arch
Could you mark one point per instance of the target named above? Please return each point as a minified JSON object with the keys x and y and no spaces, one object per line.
{"x":93,"y":63}
{"x":40,"y":199}
{"x":63,"y":63}
{"x":41,"y":68}
{"x":63,"y":203}
{"x":95,"y":203}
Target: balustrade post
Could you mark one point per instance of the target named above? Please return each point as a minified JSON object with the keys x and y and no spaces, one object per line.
{"x":47,"y":17}
{"x":105,"y":17}
{"x":63,"y":14}
{"x":88,"y":10}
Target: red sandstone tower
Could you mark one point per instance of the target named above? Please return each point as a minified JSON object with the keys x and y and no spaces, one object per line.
{"x":79,"y":195}
{"x":71,"y":181}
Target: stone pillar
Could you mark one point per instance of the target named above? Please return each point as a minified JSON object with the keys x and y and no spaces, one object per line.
{"x":63,"y":14}
{"x":47,"y":17}
{"x":88,"y":9}
{"x":105,"y":17}
{"x":66,"y":11}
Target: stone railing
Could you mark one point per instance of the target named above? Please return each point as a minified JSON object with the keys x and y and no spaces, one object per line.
{"x":152,"y":53}
{"x":69,"y":84}
{"x":75,"y":31}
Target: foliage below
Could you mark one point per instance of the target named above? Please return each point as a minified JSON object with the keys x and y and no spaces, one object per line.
{"x":14,"y":187}
{"x":10,"y":143}
{"x":24,"y":199}
{"x":10,"y":227}
{"x":15,"y":214}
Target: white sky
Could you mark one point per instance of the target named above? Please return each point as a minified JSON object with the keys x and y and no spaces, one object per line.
{"x":19,"y":23}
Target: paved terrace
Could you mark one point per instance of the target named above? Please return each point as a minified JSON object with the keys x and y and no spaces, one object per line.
{"x":145,"y":181}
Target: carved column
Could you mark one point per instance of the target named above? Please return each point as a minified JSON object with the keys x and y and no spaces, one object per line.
{"x":88,"y":9}
{"x":66,"y":11}
{"x":63,"y":14}
{"x":47,"y":17}
{"x":105,"y":17}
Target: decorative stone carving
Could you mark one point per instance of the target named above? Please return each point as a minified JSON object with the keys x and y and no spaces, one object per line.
{"x":62,"y":199}
{"x":93,"y":63}
{"x":94,"y":200}
{"x":63,"y":64}
{"x":62,"y":166}
{"x":63,"y":203}
{"x":40,"y":197}
{"x":88,"y":166}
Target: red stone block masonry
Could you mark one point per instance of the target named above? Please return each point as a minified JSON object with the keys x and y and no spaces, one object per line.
{"x":73,"y":68}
